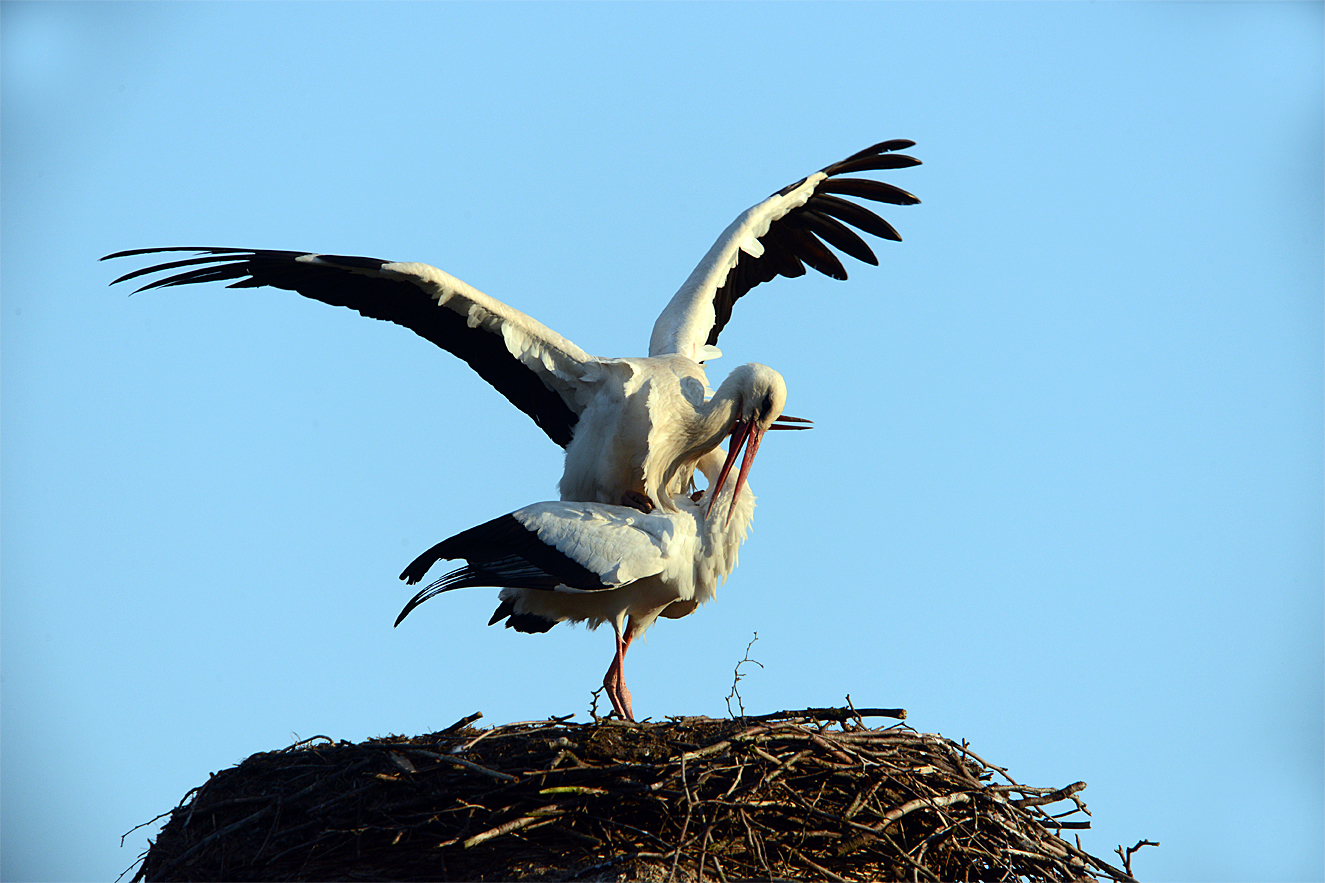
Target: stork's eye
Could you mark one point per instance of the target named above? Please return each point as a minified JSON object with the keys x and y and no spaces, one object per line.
{"x":767,"y":407}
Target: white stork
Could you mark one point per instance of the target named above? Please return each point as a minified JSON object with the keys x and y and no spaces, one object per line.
{"x":596,"y":563}
{"x":609,"y":414}
{"x":629,"y":426}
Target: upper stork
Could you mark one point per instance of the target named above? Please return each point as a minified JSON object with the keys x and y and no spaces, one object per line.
{"x":622,"y":421}
{"x":634,"y":429}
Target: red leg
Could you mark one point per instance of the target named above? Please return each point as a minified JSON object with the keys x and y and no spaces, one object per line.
{"x":615,"y":680}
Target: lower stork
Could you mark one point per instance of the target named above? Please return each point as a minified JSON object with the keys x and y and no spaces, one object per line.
{"x":596,"y":563}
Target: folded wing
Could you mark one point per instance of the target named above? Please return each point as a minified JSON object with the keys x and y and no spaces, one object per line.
{"x":560,"y":546}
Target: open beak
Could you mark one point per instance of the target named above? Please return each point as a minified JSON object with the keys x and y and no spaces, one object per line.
{"x":786,"y":421}
{"x":745,"y":434}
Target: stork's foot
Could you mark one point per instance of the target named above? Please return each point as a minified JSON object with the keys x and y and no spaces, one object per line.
{"x":636,"y":500}
{"x":620,"y":696}
{"x":615,"y":684}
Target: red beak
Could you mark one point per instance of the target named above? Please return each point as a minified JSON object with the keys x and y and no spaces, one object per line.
{"x":794,"y":423}
{"x":745,"y":434}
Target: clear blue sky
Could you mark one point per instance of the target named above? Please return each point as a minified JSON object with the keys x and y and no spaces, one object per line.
{"x":1064,"y":494}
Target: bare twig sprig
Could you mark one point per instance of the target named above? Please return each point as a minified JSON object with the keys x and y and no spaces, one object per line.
{"x":1127,"y":856}
{"x":737,"y":676}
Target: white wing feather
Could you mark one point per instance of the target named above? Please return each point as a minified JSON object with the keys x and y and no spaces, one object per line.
{"x":560,"y":363}
{"x":684,"y":325}
{"x":619,"y":544}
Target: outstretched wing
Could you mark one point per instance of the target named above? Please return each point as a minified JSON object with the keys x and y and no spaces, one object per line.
{"x":538,"y":370}
{"x":558,"y":547}
{"x":779,"y":237}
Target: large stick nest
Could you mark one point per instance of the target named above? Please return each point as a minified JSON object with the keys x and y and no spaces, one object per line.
{"x":784,"y":796}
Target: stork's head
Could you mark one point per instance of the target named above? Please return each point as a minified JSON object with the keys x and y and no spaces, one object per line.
{"x":758,"y":394}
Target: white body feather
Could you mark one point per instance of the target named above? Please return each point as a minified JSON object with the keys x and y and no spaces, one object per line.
{"x":663,"y":563}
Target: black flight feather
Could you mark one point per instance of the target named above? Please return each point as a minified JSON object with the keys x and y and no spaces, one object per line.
{"x":403,"y":303}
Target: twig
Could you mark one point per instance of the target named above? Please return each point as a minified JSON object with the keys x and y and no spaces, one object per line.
{"x":837,"y":715}
{"x":685,"y":826}
{"x":922,"y":803}
{"x":515,"y":825}
{"x":737,"y":676}
{"x":1052,"y":797}
{"x":593,"y":703}
{"x":303,"y":742}
{"x":248,"y":820}
{"x":837,"y":878}
{"x":143,"y":825}
{"x":467,"y":764}
{"x":852,"y":706}
{"x":1127,"y":858}
{"x":463,"y":722}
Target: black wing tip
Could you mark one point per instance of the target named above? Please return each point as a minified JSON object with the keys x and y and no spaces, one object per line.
{"x":799,"y":244}
{"x":527,"y":623}
{"x":133,"y":252}
{"x":199,"y":249}
{"x":827,"y":225}
{"x":875,"y":151}
{"x":416,"y":569}
{"x":413,"y":602}
{"x":451,"y":581}
{"x":203,"y":255}
{"x":504,"y":609}
{"x":241,"y":267}
{"x":866,"y":188}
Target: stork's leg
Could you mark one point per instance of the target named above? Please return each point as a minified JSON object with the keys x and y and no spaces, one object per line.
{"x":615,"y":680}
